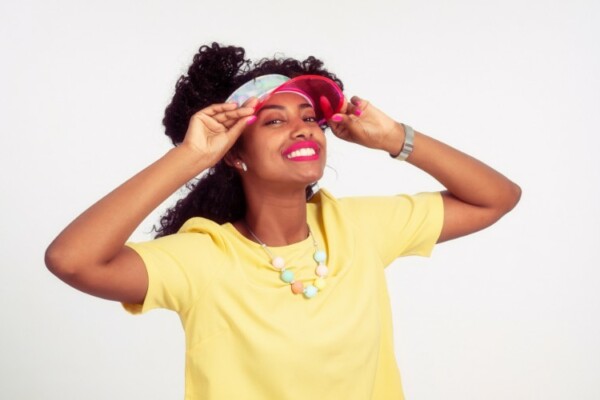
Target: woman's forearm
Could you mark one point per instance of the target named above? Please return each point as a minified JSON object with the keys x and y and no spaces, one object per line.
{"x":465,"y":177}
{"x":99,"y":233}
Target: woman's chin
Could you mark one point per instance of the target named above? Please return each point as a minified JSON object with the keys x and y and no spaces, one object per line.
{"x":309,"y":179}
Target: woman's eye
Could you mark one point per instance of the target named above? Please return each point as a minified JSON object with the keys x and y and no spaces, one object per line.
{"x":279,"y":121}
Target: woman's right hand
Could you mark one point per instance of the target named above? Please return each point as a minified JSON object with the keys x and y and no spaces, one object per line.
{"x":213,"y":130}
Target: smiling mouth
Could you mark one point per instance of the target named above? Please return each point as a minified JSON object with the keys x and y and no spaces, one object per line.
{"x":305,"y":152}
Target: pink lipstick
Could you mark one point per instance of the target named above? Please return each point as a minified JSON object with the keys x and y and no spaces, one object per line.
{"x":302,"y":151}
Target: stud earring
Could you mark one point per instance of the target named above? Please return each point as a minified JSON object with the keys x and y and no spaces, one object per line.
{"x":242,"y":165}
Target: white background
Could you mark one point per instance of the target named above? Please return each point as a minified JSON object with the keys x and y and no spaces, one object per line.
{"x":510,"y":313}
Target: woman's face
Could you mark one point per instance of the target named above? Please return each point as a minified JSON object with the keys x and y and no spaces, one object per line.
{"x":285,"y":146}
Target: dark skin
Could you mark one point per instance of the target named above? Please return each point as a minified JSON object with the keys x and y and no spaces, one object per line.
{"x":275,"y":184}
{"x":284,"y":151}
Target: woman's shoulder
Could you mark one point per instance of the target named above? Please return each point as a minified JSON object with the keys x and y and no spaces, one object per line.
{"x":382,"y":208}
{"x":200,"y":225}
{"x":323,"y":196}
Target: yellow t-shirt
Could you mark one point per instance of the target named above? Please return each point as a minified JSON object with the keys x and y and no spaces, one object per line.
{"x":248,"y":337}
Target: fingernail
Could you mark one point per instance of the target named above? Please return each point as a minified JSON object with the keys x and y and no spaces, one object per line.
{"x":357,"y":112}
{"x":251,"y":120}
{"x":356,"y":102}
{"x":337,"y":118}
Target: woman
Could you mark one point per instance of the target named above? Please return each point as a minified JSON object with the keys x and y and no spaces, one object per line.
{"x":280,"y":297}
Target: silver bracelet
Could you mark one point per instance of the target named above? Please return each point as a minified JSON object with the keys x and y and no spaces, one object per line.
{"x":407,"y":147}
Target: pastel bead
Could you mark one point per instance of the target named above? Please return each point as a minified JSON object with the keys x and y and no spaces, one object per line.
{"x":320,"y":283}
{"x":310,"y":291}
{"x":320,"y":256}
{"x":297,"y":287}
{"x":278,"y":262}
{"x":322,"y":270}
{"x":287,"y":276}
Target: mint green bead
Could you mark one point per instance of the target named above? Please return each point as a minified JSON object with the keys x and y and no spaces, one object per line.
{"x":310,"y":291}
{"x":320,"y":256}
{"x":287,"y":276}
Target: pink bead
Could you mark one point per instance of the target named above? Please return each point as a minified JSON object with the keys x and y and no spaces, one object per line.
{"x":297,"y":287}
{"x":278,"y":262}
{"x":322,"y":270}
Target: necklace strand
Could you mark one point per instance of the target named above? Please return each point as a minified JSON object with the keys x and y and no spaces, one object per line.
{"x":287,"y":276}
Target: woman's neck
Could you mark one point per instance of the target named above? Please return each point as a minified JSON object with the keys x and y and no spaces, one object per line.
{"x":277,"y":218}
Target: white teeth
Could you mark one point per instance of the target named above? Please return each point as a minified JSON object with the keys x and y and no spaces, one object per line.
{"x":302,"y":153}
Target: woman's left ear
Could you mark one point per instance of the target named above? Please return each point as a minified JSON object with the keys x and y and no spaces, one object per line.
{"x":243,"y":166}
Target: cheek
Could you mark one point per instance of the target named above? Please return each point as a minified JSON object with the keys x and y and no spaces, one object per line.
{"x":323,"y":146}
{"x":259,"y":152}
{"x":249,"y":144}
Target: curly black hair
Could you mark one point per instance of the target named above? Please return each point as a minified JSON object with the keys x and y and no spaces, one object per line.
{"x":216,"y":71}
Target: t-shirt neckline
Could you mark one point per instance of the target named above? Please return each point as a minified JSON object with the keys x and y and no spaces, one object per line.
{"x":286,"y":248}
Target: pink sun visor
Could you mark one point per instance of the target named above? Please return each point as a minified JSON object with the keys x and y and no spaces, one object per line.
{"x":322,"y":93}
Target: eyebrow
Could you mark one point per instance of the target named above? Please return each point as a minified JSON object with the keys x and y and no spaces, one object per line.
{"x":279,"y":107}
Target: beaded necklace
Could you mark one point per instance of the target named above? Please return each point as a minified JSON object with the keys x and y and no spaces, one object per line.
{"x":287,"y":276}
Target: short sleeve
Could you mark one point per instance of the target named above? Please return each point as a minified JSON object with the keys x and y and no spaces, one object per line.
{"x":179,"y":267}
{"x":400,"y":225}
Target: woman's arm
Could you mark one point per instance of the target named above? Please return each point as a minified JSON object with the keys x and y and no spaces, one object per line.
{"x":476,"y":195}
{"x":90,"y":255}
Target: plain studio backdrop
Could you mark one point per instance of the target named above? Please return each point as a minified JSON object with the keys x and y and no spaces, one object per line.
{"x":509,"y":313}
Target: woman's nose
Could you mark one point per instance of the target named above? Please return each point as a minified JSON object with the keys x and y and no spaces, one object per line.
{"x":303,"y":134}
{"x":301,"y":129}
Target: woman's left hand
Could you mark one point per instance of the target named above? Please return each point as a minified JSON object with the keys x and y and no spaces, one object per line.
{"x":362,"y":123}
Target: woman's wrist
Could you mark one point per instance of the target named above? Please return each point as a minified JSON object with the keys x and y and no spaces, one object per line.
{"x":189,"y":161}
{"x":401,"y":149}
